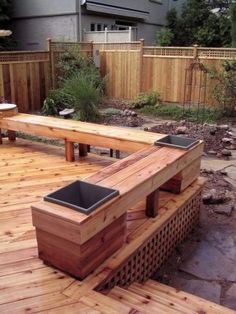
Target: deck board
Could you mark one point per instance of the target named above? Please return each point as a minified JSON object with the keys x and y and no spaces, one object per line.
{"x":27,"y":173}
{"x":26,"y":284}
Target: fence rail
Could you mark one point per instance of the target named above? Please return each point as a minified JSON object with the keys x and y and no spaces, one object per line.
{"x":131,"y":68}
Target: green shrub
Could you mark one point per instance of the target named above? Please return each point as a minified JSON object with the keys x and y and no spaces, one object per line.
{"x":147,"y":99}
{"x":80,"y":87}
{"x":56,"y":101}
{"x":85,"y":96}
{"x":224,"y":91}
{"x":73,"y":61}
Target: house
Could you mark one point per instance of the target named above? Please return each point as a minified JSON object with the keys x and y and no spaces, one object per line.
{"x":37,"y":20}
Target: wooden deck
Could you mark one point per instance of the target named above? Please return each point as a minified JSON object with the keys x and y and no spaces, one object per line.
{"x":28,"y":172}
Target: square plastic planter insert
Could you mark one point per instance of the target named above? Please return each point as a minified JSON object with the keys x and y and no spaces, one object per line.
{"x":82,"y":196}
{"x":177,"y":142}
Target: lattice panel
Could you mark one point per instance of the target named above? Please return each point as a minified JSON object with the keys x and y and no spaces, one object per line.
{"x":153,"y":253}
{"x":217,"y":53}
{"x":24,"y":56}
{"x":214,"y":53}
{"x":170,"y":51}
{"x":116,"y":46}
{"x":61,"y":47}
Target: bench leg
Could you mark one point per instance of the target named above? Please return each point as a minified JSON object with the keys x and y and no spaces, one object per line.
{"x":69,"y":151}
{"x":11,"y":136}
{"x":152,"y":203}
{"x":117,"y":154}
{"x":0,"y":136}
{"x":83,"y":150}
{"x":183,"y":179}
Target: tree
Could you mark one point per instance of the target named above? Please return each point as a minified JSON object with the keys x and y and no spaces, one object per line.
{"x":233,"y":24}
{"x":197,"y":24}
{"x":164,"y":37}
{"x":6,"y":10}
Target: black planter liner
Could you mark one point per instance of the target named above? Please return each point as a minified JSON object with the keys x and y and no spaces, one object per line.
{"x":177,"y":142}
{"x":82,"y":196}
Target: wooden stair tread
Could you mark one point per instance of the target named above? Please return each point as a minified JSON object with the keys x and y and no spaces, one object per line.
{"x":162,"y":297}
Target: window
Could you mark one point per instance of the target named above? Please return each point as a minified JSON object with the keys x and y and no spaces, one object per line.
{"x":94,"y":27}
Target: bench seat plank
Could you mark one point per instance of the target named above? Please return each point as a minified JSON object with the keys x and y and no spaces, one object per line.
{"x":81,"y":132}
{"x":145,"y":179}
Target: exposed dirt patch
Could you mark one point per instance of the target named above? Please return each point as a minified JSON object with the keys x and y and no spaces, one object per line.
{"x":211,"y":134}
{"x":123,"y":120}
{"x":118,"y":113}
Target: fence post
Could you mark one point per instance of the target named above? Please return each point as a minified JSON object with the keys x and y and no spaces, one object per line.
{"x":91,"y":49}
{"x":130,"y":34}
{"x":49,"y":48}
{"x":141,"y":64}
{"x":106,"y":35}
{"x":195,"y":52}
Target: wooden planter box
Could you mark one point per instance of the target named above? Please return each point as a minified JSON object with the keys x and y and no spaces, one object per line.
{"x":59,"y":242}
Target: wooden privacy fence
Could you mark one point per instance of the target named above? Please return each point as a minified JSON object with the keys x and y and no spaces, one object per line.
{"x":25,"y":78}
{"x":161,"y":69}
{"x":131,"y":68}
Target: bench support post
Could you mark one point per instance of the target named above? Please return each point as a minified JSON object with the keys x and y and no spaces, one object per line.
{"x":83,"y":150}
{"x":152,"y":203}
{"x":117,"y":152}
{"x":11,"y":135}
{"x":69,"y":151}
{"x":183,"y":179}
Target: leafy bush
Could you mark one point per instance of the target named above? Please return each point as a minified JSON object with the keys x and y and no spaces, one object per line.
{"x":147,"y":99}
{"x":56,"y":101}
{"x":224,"y":91}
{"x":72,"y":61}
{"x":80,"y":87}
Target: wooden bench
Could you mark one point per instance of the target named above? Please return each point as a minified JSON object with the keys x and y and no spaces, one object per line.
{"x":136,"y":177}
{"x":84,"y":133}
